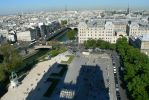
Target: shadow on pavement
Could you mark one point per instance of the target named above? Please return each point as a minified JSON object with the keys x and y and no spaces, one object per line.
{"x":47,"y":82}
{"x":89,"y":86}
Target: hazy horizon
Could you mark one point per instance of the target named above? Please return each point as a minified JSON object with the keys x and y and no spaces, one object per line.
{"x":15,"y":6}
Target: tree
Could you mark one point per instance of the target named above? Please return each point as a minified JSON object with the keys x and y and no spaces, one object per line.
{"x":1,"y":58}
{"x":12,"y":59}
{"x":136,"y":70}
{"x":63,"y":22}
{"x":137,"y":87}
{"x":90,"y":44}
{"x":70,"y":34}
{"x":2,"y":73}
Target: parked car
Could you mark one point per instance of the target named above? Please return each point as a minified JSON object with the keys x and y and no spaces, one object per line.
{"x":113,"y":63}
{"x":118,"y":95}
{"x":117,"y":87}
{"x":114,"y":70}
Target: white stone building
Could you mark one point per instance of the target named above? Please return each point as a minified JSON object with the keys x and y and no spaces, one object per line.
{"x":11,"y":37}
{"x":109,"y":31}
{"x":4,"y":33}
{"x":136,"y":29}
{"x":25,"y":36}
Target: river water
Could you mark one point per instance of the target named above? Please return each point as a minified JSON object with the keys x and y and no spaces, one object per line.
{"x":63,"y":38}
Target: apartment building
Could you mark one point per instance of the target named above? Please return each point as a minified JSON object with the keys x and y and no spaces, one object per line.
{"x":109,"y":31}
{"x":3,"y":33}
{"x":25,"y":36}
{"x":136,"y":29}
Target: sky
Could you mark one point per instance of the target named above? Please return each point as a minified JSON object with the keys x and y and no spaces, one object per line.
{"x":13,"y":6}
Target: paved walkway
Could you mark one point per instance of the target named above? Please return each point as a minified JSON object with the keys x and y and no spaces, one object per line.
{"x":31,"y":80}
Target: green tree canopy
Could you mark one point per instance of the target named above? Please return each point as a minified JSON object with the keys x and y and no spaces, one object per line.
{"x":2,"y":73}
{"x":136,"y":69}
{"x":91,"y":43}
{"x":71,"y":34}
{"x":12,"y":59}
{"x":63,"y":22}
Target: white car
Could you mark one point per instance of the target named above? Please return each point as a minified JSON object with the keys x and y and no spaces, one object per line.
{"x":114,"y":67}
{"x":114,"y":70}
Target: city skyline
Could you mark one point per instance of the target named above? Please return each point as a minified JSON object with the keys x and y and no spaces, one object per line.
{"x":14,"y":6}
{"x":74,"y":49}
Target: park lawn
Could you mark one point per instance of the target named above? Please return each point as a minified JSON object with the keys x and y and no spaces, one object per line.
{"x":53,"y":53}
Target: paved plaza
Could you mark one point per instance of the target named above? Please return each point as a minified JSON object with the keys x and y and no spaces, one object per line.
{"x":87,"y":78}
{"x":85,"y":72}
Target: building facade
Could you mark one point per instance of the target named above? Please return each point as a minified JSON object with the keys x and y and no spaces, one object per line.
{"x":4,"y":33}
{"x":136,"y":29}
{"x":106,"y":30}
{"x":25,"y":36}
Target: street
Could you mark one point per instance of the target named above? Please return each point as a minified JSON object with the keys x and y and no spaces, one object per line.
{"x":122,"y":91}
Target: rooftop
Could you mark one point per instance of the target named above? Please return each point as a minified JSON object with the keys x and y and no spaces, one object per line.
{"x":144,"y":37}
{"x":96,"y":23}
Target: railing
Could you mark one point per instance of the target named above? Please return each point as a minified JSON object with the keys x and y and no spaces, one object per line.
{"x":43,"y":46}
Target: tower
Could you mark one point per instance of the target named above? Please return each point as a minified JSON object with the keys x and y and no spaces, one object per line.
{"x":65,"y":10}
{"x":128,"y":10}
{"x":66,"y":15}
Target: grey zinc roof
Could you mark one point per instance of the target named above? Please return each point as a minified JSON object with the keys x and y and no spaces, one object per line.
{"x":144,"y":37}
{"x":96,"y":23}
{"x":120,"y":23}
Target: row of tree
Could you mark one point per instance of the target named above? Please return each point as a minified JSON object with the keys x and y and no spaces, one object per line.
{"x":136,"y":70}
{"x":11,"y":60}
{"x":92,"y":44}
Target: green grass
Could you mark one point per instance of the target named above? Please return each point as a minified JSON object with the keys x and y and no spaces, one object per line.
{"x":52,"y":87}
{"x":53,"y":53}
{"x":57,"y":51}
{"x":62,"y":72}
{"x":71,"y":57}
{"x":36,"y":56}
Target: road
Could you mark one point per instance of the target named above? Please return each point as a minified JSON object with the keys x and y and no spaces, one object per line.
{"x":119,"y":75}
